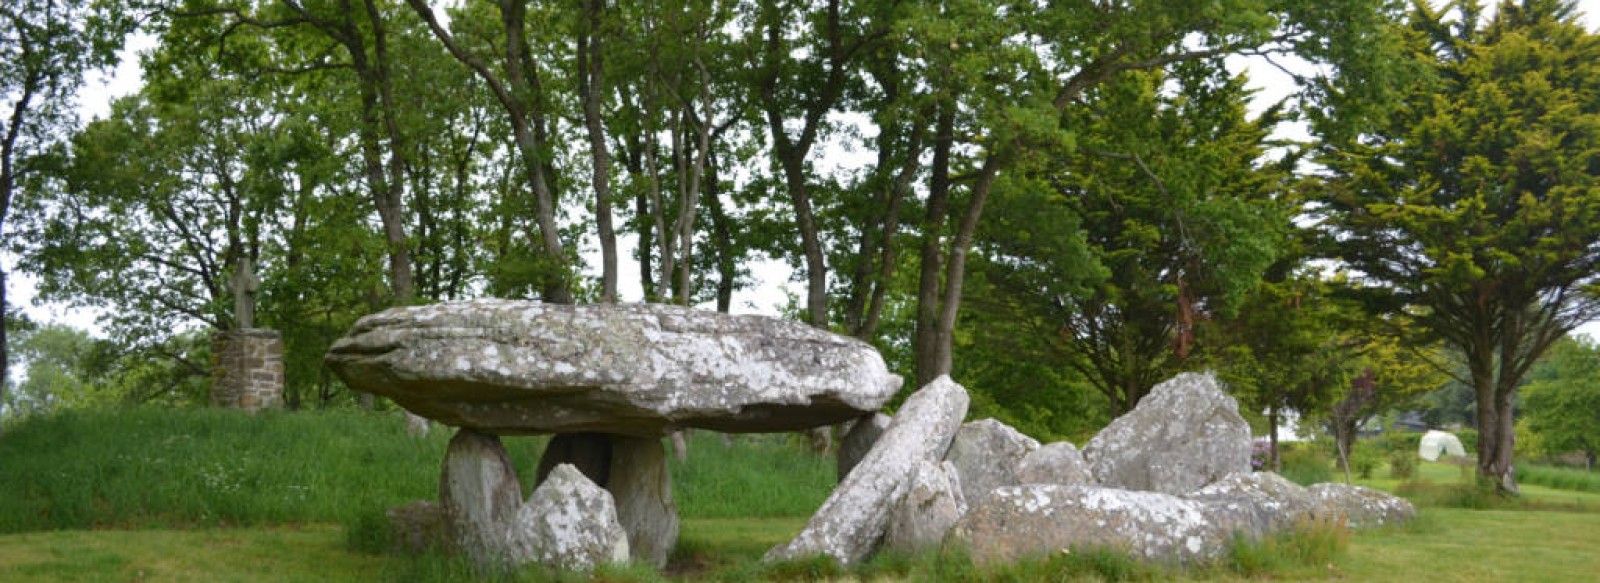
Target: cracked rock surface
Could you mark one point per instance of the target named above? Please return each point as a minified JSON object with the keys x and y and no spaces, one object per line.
{"x":521,"y":368}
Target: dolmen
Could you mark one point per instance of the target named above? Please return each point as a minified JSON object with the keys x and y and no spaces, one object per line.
{"x":608,"y":382}
{"x":1169,"y":482}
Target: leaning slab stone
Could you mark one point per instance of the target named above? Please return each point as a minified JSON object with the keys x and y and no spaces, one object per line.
{"x":1361,"y":507}
{"x":516,"y":367}
{"x":1054,"y":463}
{"x":858,"y":441}
{"x":1034,"y":520}
{"x":932,"y":504}
{"x":479,"y":497}
{"x":1183,"y":435}
{"x":1257,"y":504}
{"x":568,"y":523}
{"x":853,"y":518}
{"x":986,"y":453}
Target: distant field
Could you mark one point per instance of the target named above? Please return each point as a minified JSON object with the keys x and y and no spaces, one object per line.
{"x":160,"y":495}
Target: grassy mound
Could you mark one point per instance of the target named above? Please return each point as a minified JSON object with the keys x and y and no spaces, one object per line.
{"x":162,"y":468}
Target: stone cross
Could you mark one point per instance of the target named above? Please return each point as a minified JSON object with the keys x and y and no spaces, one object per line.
{"x":245,"y":284}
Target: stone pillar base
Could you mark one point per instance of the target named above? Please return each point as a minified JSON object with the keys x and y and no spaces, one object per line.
{"x":247,"y":369}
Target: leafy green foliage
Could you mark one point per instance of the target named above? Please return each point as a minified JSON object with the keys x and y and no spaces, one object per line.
{"x":1166,"y":214}
{"x":1475,"y":207}
{"x":1562,"y":403}
{"x":1306,"y":464}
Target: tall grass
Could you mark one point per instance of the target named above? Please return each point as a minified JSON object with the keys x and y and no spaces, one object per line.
{"x":760,"y":475}
{"x":1559,"y":478}
{"x":139,"y":468}
{"x":152,"y":467}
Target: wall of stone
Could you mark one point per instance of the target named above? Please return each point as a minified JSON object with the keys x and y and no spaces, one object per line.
{"x":247,"y":369}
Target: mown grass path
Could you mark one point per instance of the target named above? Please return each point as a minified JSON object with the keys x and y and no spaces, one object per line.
{"x":1480,"y":545}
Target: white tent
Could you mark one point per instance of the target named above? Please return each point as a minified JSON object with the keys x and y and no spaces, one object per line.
{"x":1439,"y":442}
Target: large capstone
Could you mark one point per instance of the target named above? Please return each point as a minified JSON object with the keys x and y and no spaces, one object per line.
{"x":1033,"y":520}
{"x":520,"y":368}
{"x":1182,"y":436}
{"x":854,"y":518}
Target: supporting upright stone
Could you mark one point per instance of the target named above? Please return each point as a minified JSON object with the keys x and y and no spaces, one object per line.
{"x":932,"y":504}
{"x":642,"y":487}
{"x":858,"y":441}
{"x":247,"y":369}
{"x":1184,"y":434}
{"x":480,"y":497}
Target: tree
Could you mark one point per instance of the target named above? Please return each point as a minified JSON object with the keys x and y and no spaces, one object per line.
{"x":520,"y":82}
{"x":46,"y":47}
{"x":1384,"y":375}
{"x":1562,"y":403}
{"x":59,"y":371}
{"x":1003,"y":76}
{"x":1285,"y":350}
{"x":1475,"y":208}
{"x":1180,"y":209}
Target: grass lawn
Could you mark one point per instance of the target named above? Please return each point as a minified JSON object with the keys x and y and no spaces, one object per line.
{"x":208,"y":496}
{"x":313,"y":553}
{"x":1479,"y":545}
{"x":1449,"y":545}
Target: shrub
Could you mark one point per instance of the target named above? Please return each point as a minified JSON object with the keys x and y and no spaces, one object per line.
{"x":1306,"y":465}
{"x":1364,"y":460}
{"x":1260,"y":453}
{"x":1395,"y":442}
{"x":1469,"y":440}
{"x":1402,"y":464}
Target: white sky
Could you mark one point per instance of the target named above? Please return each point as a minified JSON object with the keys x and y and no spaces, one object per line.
{"x":772,"y":287}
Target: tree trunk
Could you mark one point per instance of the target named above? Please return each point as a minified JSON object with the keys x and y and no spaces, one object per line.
{"x":925,"y":343}
{"x":592,"y":89}
{"x":1273,"y":461}
{"x":5,"y":348}
{"x":810,"y":242}
{"x":1496,"y":437}
{"x":1503,"y":466}
{"x":527,"y":121}
{"x":956,"y":276}
{"x":1344,"y":461}
{"x":721,"y":241}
